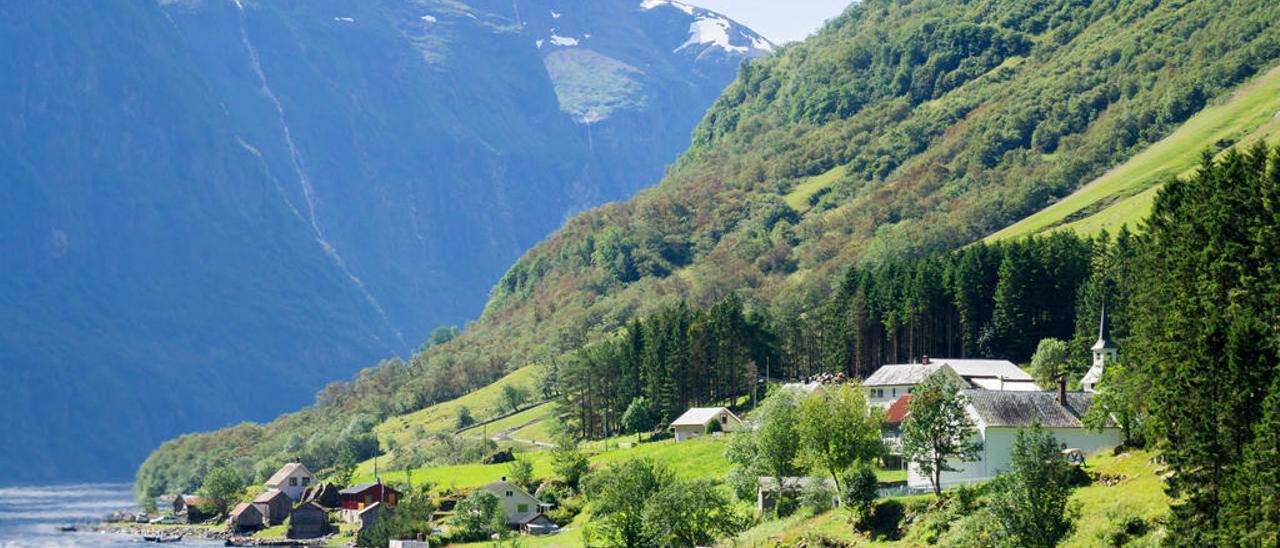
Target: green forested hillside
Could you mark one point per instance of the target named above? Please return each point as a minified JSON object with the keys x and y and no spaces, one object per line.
{"x":902,"y":129}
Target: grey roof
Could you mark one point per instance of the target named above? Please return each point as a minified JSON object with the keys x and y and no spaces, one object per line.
{"x":901,"y":374}
{"x":357,"y":488}
{"x":915,"y":373}
{"x":1020,"y":409}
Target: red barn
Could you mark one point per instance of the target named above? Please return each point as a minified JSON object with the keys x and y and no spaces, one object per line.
{"x":362,"y":495}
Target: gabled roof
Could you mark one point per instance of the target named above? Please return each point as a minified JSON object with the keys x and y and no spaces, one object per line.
{"x":1020,"y":409}
{"x":899,"y":410}
{"x":806,"y":388}
{"x":375,"y":507}
{"x":285,"y":471}
{"x":362,"y":487}
{"x":268,"y":496}
{"x":191,"y":500}
{"x":901,"y":374}
{"x":242,"y":508}
{"x":970,"y":370}
{"x":501,"y":486}
{"x":699,"y":416}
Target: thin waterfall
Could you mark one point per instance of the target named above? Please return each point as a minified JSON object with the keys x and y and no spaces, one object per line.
{"x":308,"y":192}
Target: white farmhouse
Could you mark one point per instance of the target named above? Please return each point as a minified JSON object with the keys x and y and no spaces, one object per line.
{"x":292,"y":479}
{"x":999,"y":416}
{"x":697,"y":420}
{"x":891,"y":382}
{"x":518,"y":506}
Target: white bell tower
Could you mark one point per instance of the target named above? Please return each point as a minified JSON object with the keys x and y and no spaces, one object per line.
{"x":1105,"y":353}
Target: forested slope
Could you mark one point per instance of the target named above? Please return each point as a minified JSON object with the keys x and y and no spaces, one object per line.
{"x":900,"y":130}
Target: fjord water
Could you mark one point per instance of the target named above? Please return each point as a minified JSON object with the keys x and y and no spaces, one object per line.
{"x":31,"y":515}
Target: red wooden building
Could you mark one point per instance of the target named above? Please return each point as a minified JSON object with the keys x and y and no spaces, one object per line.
{"x":362,"y":495}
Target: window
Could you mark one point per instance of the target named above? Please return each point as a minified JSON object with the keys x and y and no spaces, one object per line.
{"x":723,"y":419}
{"x":293,"y":482}
{"x":509,"y":493}
{"x":522,"y":508}
{"x":895,"y":392}
{"x":306,"y":480}
{"x":368,"y":499}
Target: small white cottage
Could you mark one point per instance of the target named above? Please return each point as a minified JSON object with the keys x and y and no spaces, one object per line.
{"x":999,"y":416}
{"x":698,"y":420}
{"x":518,"y":506}
{"x":291,"y":479}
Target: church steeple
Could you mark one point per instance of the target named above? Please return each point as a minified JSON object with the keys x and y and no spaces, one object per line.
{"x":1104,"y":353}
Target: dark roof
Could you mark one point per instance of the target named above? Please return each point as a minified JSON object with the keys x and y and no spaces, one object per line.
{"x":242,"y":508}
{"x":1103,"y":332}
{"x":358,"y":488}
{"x":1020,"y":409}
{"x":898,"y":411}
{"x":536,"y":517}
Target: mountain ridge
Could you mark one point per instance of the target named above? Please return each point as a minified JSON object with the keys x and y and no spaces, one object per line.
{"x":221,"y":205}
{"x":927,"y":124}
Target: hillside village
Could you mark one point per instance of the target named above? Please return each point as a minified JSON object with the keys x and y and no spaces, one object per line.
{"x":824,"y":328}
{"x":999,"y":400}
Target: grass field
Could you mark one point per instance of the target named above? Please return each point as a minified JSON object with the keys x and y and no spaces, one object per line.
{"x":528,"y":417}
{"x":1125,"y":193}
{"x":484,"y":403}
{"x":799,"y":196}
{"x":1135,"y":490}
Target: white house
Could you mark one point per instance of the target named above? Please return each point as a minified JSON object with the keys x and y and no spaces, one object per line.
{"x":1104,"y":354}
{"x":695,"y":421}
{"x":292,"y":479}
{"x":999,"y":416}
{"x":893,"y":381}
{"x":518,"y":506}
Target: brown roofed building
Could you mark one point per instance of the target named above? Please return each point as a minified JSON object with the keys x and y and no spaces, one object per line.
{"x":308,"y":520}
{"x":186,"y":509}
{"x":245,"y":518}
{"x":274,"y":505}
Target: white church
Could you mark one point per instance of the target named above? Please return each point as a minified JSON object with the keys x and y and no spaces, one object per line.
{"x":1000,"y":414}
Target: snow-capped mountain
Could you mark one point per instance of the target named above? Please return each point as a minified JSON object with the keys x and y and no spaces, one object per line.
{"x":215,"y":207}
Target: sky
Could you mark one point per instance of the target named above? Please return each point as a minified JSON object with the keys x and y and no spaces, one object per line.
{"x":780,"y":21}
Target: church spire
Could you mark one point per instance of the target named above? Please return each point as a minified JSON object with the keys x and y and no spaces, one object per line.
{"x":1103,"y":331}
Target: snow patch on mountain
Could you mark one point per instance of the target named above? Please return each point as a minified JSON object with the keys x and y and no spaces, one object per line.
{"x":714,"y":31}
{"x":567,"y":41}
{"x":711,"y":29}
{"x":650,"y":4}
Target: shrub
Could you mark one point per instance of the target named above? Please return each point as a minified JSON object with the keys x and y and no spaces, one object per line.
{"x":816,"y":495}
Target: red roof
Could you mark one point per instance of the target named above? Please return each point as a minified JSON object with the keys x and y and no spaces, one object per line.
{"x":898,"y":411}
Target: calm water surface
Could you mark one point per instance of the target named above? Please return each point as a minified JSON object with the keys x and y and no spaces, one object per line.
{"x":30,"y":516}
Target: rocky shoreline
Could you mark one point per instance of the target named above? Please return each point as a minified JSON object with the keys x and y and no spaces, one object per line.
{"x":171,"y":533}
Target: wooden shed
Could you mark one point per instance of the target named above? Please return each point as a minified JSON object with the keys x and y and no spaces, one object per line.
{"x":245,"y":518}
{"x":274,"y":505}
{"x":308,"y":520}
{"x":186,"y":509}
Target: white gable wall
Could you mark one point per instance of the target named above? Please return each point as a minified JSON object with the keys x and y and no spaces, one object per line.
{"x":997,"y":448}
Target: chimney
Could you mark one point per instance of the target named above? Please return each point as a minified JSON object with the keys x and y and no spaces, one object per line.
{"x":924,"y":360}
{"x":504,"y":478}
{"x":1062,"y":390}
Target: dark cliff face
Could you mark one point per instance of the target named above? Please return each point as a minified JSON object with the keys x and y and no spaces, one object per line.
{"x":215,"y":207}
